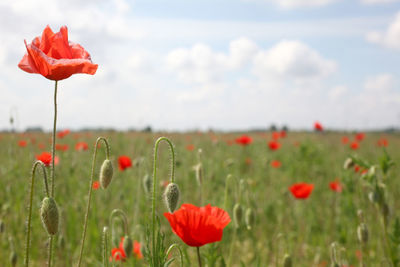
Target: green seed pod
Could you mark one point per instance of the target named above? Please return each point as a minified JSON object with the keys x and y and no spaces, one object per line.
{"x":348,"y":163}
{"x":249,"y":218}
{"x":362,"y":233}
{"x":13,"y":258}
{"x":237,"y":215}
{"x":171,"y":196}
{"x":287,"y":261}
{"x":106,"y":173}
{"x":1,"y":226}
{"x":147,"y":183}
{"x":49,"y":215}
{"x":128,"y":246}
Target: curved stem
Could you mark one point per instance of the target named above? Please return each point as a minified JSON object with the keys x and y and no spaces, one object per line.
{"x":118,"y":212}
{"x":155,"y":182}
{"x":180,"y":252}
{"x":198,"y":256}
{"x":28,"y":235}
{"x":228,"y":179}
{"x":53,"y":140}
{"x":105,"y":246}
{"x":90,"y":192}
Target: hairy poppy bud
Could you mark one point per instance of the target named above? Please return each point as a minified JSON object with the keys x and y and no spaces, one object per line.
{"x":199,"y":173}
{"x":147,"y":183}
{"x":106,"y":173}
{"x":49,"y":215}
{"x":362,"y":233}
{"x":287,"y":261}
{"x":171,"y":196}
{"x":249,"y":218}
{"x":348,"y":163}
{"x":13,"y":258}
{"x":127,"y":244}
{"x":237,"y":215}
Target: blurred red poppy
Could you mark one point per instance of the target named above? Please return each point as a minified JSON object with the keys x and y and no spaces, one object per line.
{"x":276,"y":135}
{"x":276,"y":164}
{"x":283,"y":134}
{"x":301,"y":190}
{"x":244,"y":140}
{"x":61,"y":147}
{"x":190,"y":147}
{"x":45,"y":157}
{"x":383,"y":142}
{"x":22,"y":143}
{"x":81,"y":146}
{"x":63,"y":133}
{"x":124,"y":162}
{"x":96,"y":185}
{"x":336,"y":186}
{"x":248,"y":161}
{"x":357,"y":168}
{"x":360,"y":136}
{"x":274,"y":145}
{"x":345,"y":140}
{"x":318,"y":126}
{"x":354,"y":145}
{"x":197,"y":226}
{"x":118,"y":254}
{"x":54,"y":57}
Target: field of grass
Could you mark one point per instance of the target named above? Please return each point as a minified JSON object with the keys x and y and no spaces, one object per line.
{"x":304,"y":229}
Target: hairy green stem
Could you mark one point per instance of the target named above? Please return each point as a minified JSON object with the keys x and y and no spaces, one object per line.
{"x":105,"y":246}
{"x":121,"y":214}
{"x":180,"y":252}
{"x":28,"y":235}
{"x":198,"y":256}
{"x":53,"y":141}
{"x":90,"y":192}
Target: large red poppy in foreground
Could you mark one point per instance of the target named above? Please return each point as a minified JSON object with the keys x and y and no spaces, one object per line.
{"x":54,"y":57}
{"x":197,"y":226}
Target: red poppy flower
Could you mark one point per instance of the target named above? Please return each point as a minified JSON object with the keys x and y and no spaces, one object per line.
{"x":276,"y":135}
{"x":360,"y":136}
{"x":63,"y":133}
{"x":22,"y":143}
{"x":197,"y":226}
{"x":96,"y":185}
{"x":357,"y":168}
{"x":54,"y":57}
{"x":248,"y":161}
{"x":336,"y":186}
{"x":318,"y":126}
{"x":345,"y":140}
{"x":81,"y":146}
{"x":45,"y":157}
{"x":190,"y":147}
{"x":383,"y":142}
{"x":118,"y":254}
{"x":283,"y":134}
{"x":354,"y":145}
{"x":276,"y":164}
{"x":41,"y":146}
{"x":61,"y":147}
{"x":124,"y":162}
{"x":274,"y":145}
{"x":244,"y":140}
{"x":301,"y":190}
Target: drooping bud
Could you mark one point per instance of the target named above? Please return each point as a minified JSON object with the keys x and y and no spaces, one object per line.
{"x":237,"y":215}
{"x":127,"y":244}
{"x":249,"y":218}
{"x":13,"y":258}
{"x":287,"y":261}
{"x":362,"y":233}
{"x":147,"y":183}
{"x":171,"y":196}
{"x":334,"y":261}
{"x":106,"y":173}
{"x":348,"y":163}
{"x":49,"y":215}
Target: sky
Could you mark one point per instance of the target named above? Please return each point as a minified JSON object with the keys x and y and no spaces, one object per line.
{"x":221,"y":64}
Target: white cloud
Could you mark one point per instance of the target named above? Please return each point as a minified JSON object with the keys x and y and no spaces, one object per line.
{"x":297,"y":3}
{"x":337,"y":92}
{"x":379,"y":83}
{"x":373,"y":2}
{"x":389,"y":38}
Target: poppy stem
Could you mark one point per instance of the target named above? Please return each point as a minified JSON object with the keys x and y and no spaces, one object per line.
{"x":53,"y":140}
{"x":90,"y":192}
{"x":198,"y":255}
{"x":153,"y":224}
{"x":105,"y":246}
{"x":122,"y":214}
{"x":178,"y":248}
{"x":28,"y":234}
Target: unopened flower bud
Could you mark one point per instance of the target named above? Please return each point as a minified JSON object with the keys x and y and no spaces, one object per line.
{"x":362,"y":233}
{"x":199,"y":173}
{"x":49,"y":215}
{"x":237,"y":215}
{"x":106,"y":173}
{"x":147,"y":183}
{"x":13,"y":258}
{"x":171,"y":196}
{"x":348,"y":163}
{"x":127,"y":244}
{"x":249,"y":218}
{"x":287,"y":261}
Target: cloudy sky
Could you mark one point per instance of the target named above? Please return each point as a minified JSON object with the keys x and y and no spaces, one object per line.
{"x":225,"y":64}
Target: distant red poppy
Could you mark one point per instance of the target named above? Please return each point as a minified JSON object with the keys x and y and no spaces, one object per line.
{"x":301,"y":190}
{"x":63,"y":133}
{"x":45,"y":157}
{"x":41,"y":146}
{"x":118,"y":254}
{"x":81,"y":146}
{"x":244,"y":140}
{"x":22,"y":143}
{"x":345,"y":140}
{"x":336,"y":186}
{"x":190,"y":147}
{"x":318,"y":126}
{"x":283,"y":134}
{"x":354,"y":145}
{"x":274,"y":145}
{"x":360,"y":136}
{"x":248,"y":161}
{"x":365,"y":171}
{"x":276,"y":135}
{"x":61,"y":147}
{"x":383,"y":142}
{"x":229,"y":142}
{"x":276,"y":164}
{"x":124,"y":162}
{"x":96,"y":185}
{"x":357,"y":168}
{"x":197,"y":226}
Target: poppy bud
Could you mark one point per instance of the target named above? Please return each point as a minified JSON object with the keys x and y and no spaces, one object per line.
{"x":199,"y":173}
{"x":1,"y":226}
{"x":171,"y":196}
{"x":362,"y":233}
{"x":237,"y":215}
{"x":106,"y":173}
{"x":249,"y":218}
{"x":334,"y":255}
{"x":147,"y":183}
{"x":348,"y":163}
{"x":287,"y":261}
{"x":13,"y":259}
{"x":49,"y":215}
{"x":127,"y":244}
